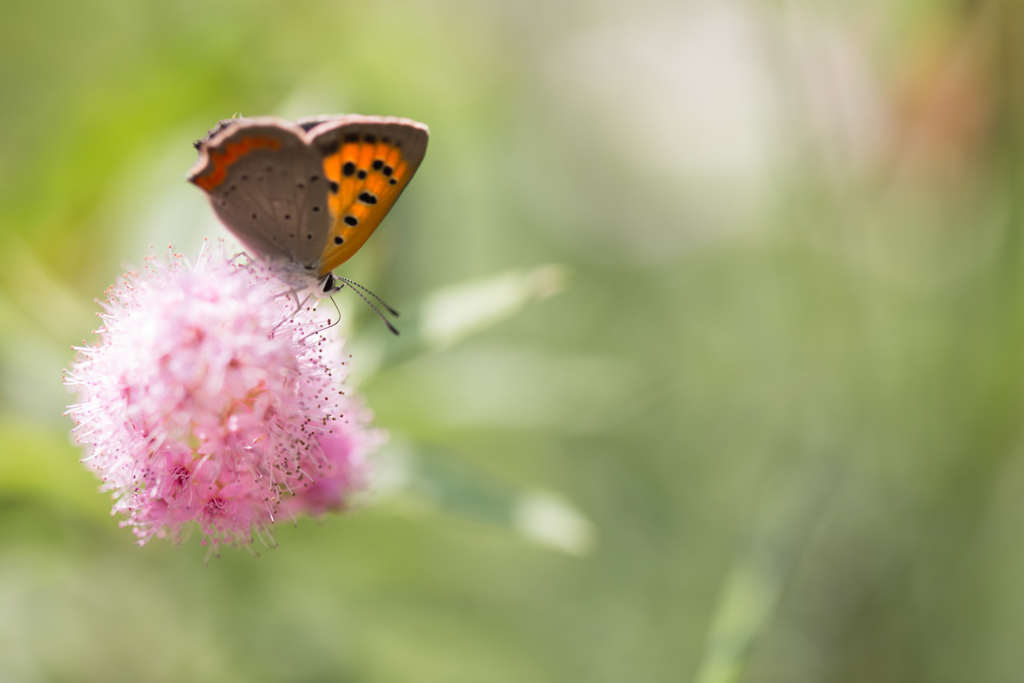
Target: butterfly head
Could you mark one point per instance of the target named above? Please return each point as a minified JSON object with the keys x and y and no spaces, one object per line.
{"x":326,"y":286}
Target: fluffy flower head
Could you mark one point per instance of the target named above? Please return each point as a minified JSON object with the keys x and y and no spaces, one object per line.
{"x":213,"y":399}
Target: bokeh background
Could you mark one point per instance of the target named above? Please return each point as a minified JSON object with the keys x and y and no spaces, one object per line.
{"x":712,"y":367}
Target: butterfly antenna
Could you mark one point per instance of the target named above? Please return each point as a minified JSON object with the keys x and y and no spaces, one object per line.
{"x":379,"y":300}
{"x":370,"y":304}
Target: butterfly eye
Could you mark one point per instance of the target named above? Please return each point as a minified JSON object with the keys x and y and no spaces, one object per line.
{"x":329,"y":282}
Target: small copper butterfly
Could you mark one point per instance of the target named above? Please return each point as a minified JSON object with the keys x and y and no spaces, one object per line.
{"x":307,"y":195}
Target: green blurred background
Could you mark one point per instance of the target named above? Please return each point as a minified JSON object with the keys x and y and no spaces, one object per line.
{"x":769,"y":431}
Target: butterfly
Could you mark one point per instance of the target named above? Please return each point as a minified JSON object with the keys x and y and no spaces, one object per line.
{"x":307,"y":195}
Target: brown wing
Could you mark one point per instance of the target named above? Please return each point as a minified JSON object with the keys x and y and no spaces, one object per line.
{"x":267,"y":185}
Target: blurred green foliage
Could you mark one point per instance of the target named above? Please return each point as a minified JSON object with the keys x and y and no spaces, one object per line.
{"x":770,"y":432}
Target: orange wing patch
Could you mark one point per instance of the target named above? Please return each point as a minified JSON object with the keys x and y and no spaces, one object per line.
{"x":368,"y":176}
{"x":221,"y":159}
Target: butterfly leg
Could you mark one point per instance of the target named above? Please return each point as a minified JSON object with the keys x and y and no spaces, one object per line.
{"x":298,"y":307}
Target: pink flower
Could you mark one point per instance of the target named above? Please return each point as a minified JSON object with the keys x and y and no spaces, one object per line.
{"x":212,"y":400}
{"x":344,"y":451}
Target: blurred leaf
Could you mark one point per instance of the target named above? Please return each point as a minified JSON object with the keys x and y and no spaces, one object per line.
{"x":551,"y":521}
{"x":450,"y":315}
{"x":453,"y":313}
{"x":788,"y":509}
{"x":433,"y":478}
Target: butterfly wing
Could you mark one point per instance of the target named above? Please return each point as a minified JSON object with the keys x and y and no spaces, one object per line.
{"x":267,"y":185}
{"x":368,"y":161}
